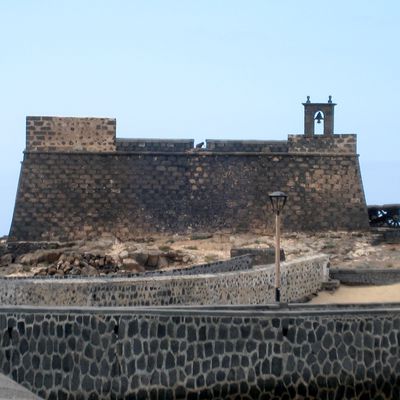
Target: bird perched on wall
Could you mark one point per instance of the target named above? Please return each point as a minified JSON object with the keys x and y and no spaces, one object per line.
{"x":199,"y":145}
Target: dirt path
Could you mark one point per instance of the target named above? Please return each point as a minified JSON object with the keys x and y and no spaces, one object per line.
{"x":360,"y":294}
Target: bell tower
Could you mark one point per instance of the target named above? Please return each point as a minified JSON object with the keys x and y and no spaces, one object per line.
{"x":318,"y":112}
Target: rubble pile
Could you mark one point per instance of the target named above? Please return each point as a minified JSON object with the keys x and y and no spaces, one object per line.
{"x":94,"y":259}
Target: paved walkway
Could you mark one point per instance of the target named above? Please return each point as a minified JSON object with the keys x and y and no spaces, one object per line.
{"x":9,"y":390}
{"x":360,"y":294}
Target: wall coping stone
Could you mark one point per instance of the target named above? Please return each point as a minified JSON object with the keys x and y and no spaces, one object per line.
{"x":219,"y":311}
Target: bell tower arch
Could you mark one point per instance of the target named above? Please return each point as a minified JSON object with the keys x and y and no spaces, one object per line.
{"x":317,"y":112}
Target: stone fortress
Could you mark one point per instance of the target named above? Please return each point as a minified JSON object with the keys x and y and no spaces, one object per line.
{"x":210,"y":331}
{"x":79,"y":181}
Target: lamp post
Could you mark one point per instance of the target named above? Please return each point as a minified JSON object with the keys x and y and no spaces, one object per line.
{"x":278,"y":201}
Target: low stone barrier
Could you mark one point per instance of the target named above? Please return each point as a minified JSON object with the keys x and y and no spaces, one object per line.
{"x":154,"y":145}
{"x":300,"y":279}
{"x":254,"y":352}
{"x":392,"y":236}
{"x":373,"y":276}
{"x":263,"y":255}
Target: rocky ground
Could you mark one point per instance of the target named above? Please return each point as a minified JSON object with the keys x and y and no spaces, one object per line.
{"x":110,"y":256}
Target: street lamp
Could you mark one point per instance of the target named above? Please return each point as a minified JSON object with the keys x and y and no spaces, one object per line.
{"x":278,"y":201}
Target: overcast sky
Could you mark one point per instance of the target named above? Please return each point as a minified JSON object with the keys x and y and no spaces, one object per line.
{"x":204,"y":69}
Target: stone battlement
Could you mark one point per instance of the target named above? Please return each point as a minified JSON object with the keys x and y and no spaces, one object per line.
{"x":98,"y":135}
{"x":70,"y":134}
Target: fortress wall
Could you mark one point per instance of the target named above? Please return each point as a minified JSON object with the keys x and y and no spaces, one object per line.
{"x":154,"y":145}
{"x":67,"y":196}
{"x":70,"y":134}
{"x":261,"y":146}
{"x":192,"y":353}
{"x":300,"y":279}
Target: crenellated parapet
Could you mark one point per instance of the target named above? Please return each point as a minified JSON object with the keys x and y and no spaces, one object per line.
{"x":98,"y":135}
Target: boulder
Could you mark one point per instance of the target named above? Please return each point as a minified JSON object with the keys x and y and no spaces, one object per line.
{"x":141,"y":258}
{"x":162,"y":262}
{"x":75,"y":271}
{"x":152,"y":260}
{"x":176,"y":256}
{"x":124,"y":254}
{"x":89,"y":270}
{"x":6,"y":259}
{"x":129,"y":264}
{"x":52,"y":270}
{"x":40,"y":256}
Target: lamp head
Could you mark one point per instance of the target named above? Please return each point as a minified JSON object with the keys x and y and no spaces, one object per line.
{"x":278,"y":201}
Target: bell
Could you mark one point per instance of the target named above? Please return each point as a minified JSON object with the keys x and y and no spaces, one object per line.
{"x":319,"y":117}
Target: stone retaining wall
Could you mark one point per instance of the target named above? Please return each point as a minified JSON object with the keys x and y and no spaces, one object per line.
{"x":194,"y":353}
{"x":300,"y":279}
{"x":371,"y":276}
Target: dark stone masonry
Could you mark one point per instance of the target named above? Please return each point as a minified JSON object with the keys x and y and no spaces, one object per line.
{"x":194,"y":353}
{"x":79,"y":181}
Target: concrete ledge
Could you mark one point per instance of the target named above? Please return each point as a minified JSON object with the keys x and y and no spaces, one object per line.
{"x":9,"y":390}
{"x":373,"y":276}
{"x":245,"y":310}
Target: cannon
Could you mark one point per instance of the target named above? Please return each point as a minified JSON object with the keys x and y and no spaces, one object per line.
{"x":386,"y":215}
